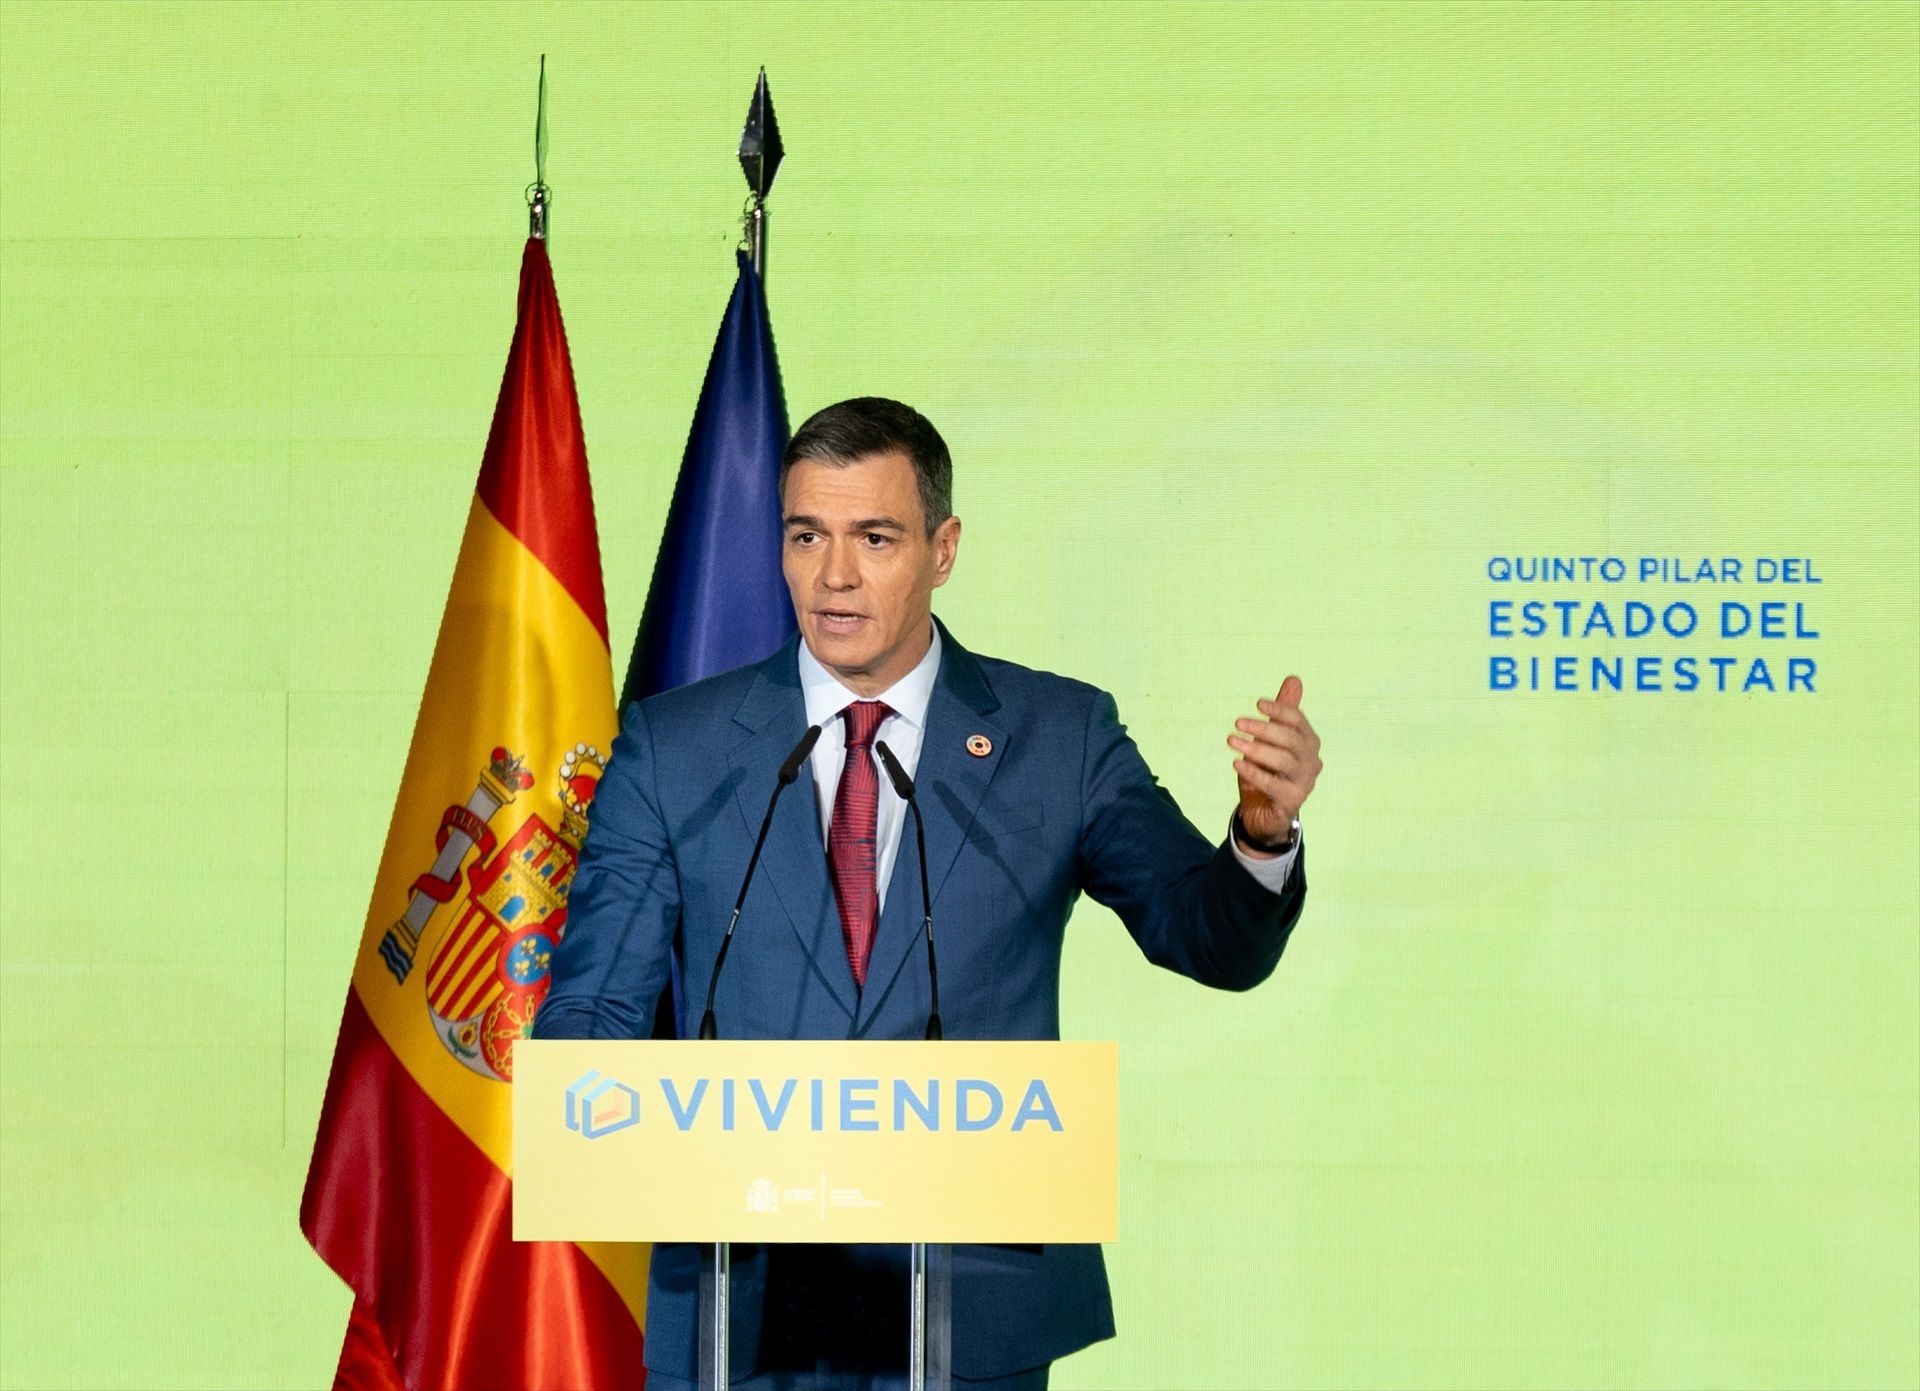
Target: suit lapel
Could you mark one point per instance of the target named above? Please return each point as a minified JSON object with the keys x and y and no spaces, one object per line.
{"x":794,"y":861}
{"x":949,"y":783}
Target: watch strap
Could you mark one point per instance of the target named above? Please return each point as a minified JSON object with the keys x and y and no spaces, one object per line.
{"x":1266,"y":847}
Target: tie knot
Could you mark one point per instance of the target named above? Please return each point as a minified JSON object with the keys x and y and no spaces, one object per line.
{"x":863,"y":722}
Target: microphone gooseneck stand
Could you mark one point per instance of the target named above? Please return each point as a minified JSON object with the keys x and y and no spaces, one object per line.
{"x":789,"y":771}
{"x":903,"y":787}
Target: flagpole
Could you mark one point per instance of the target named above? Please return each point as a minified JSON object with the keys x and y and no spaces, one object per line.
{"x":760,"y":153}
{"x":539,"y":196}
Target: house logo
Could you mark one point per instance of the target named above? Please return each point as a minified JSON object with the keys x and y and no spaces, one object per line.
{"x":598,"y":1105}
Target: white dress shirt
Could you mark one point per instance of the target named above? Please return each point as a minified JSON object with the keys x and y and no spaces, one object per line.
{"x":904,"y":730}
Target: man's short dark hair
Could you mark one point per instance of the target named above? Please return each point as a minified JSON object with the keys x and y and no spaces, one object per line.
{"x":849,"y":431}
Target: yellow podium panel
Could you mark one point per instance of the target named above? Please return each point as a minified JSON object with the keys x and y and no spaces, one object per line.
{"x":647,"y":1140}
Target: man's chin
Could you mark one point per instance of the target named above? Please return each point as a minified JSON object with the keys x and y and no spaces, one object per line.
{"x":853,"y":650}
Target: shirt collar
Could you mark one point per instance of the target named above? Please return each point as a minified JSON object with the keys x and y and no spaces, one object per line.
{"x":826,"y":697}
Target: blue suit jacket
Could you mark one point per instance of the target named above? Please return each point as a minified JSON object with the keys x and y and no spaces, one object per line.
{"x":1063,"y":803}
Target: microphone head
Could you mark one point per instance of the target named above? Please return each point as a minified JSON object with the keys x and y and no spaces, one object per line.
{"x":791,"y":768}
{"x":902,"y":784}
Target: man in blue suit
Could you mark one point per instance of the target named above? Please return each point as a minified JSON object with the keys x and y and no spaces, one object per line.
{"x":1032,"y":793}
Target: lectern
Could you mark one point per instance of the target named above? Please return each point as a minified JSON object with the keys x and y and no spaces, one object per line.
{"x":925,"y":1144}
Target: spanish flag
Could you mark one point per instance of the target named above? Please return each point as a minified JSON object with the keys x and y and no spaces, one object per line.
{"x":408,"y":1193}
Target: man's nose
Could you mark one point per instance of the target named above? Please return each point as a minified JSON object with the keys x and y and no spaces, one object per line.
{"x":841,"y":570}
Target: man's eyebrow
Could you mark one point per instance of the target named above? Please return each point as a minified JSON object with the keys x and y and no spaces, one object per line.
{"x":864,"y":524}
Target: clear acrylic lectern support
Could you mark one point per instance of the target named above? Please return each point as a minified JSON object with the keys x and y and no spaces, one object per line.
{"x":930,"y":1317}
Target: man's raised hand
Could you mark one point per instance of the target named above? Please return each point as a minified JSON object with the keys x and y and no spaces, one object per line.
{"x":1278,"y":764}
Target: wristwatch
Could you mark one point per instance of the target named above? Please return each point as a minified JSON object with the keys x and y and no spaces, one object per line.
{"x":1240,"y":830}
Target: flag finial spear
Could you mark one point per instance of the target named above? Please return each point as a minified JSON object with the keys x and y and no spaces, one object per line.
{"x":760,"y":153}
{"x":539,"y":196}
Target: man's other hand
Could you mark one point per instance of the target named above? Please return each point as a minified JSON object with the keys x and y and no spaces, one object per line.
{"x":1278,"y":764}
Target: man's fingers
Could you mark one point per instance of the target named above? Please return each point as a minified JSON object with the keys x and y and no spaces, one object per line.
{"x":1299,"y":736}
{"x":1290,"y":692}
{"x":1282,"y":791}
{"x":1276,"y":756}
{"x":1285,"y":714}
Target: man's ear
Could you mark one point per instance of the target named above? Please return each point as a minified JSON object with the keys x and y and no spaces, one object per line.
{"x":946,"y":545}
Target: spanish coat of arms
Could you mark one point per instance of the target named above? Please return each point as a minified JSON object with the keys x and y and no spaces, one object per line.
{"x":488,"y":971}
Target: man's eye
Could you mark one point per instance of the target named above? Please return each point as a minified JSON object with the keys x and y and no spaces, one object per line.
{"x":802,"y":538}
{"x":879,"y":537}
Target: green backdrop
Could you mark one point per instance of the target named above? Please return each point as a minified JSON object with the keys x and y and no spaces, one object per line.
{"x":1256,"y":330}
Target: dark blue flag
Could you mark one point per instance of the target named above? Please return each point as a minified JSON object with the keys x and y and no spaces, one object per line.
{"x":717,"y":600}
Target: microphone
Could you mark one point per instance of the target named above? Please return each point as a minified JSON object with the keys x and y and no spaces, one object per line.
{"x":903,"y":785}
{"x":788,"y":772}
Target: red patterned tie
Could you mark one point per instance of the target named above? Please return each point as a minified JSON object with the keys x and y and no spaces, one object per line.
{"x":852,"y":848}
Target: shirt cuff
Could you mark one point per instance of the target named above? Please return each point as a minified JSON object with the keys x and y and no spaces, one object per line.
{"x":1270,"y":875}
